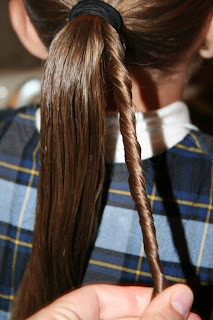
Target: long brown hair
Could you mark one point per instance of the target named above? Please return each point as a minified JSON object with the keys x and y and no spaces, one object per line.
{"x":86,"y":57}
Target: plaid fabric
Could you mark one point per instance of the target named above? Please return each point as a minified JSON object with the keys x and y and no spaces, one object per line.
{"x":19,"y":160}
{"x":180,"y":188}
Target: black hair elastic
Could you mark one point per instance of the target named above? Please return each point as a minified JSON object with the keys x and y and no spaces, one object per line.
{"x":98,"y":8}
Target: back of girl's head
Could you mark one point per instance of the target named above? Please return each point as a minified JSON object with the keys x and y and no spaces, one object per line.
{"x":155,"y":33}
{"x":87,"y":58}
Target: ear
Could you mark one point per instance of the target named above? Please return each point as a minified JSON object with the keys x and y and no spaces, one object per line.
{"x":25,"y":29}
{"x":206,"y":51}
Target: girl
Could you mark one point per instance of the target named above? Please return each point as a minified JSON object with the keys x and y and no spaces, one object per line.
{"x":106,"y":59}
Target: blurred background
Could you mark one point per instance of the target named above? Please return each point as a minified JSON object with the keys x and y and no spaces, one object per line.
{"x":20,"y":75}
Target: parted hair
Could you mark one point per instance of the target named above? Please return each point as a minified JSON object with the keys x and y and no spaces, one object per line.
{"x":88,"y":64}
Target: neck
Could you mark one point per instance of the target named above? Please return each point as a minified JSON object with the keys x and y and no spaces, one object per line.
{"x":152,"y":90}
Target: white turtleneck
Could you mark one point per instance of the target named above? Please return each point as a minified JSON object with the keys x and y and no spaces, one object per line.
{"x":156,"y":131}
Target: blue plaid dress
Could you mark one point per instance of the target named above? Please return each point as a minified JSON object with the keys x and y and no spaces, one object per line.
{"x":179,"y":186}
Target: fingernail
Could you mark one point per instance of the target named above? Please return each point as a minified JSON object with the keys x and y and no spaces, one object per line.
{"x":182,"y":301}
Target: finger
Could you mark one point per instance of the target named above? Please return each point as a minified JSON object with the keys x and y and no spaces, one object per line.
{"x":173,"y":303}
{"x":98,"y":302}
{"x":123,"y":302}
{"x":193,"y":316}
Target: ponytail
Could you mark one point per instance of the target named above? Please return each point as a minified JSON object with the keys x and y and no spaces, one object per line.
{"x":84,"y":57}
{"x":123,"y":100}
{"x":71,"y":171}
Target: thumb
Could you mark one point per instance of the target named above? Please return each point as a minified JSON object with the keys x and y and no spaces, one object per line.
{"x":173,"y":303}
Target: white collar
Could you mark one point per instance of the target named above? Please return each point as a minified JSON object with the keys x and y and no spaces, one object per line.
{"x":157,"y":131}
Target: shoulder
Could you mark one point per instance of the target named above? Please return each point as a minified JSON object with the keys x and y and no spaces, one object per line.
{"x":17,"y":122}
{"x":11,"y":114}
{"x":195,"y":144}
{"x":19,"y":146}
{"x":207,"y":142}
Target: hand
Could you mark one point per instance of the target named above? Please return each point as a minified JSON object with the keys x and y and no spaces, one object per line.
{"x":107,"y":302}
